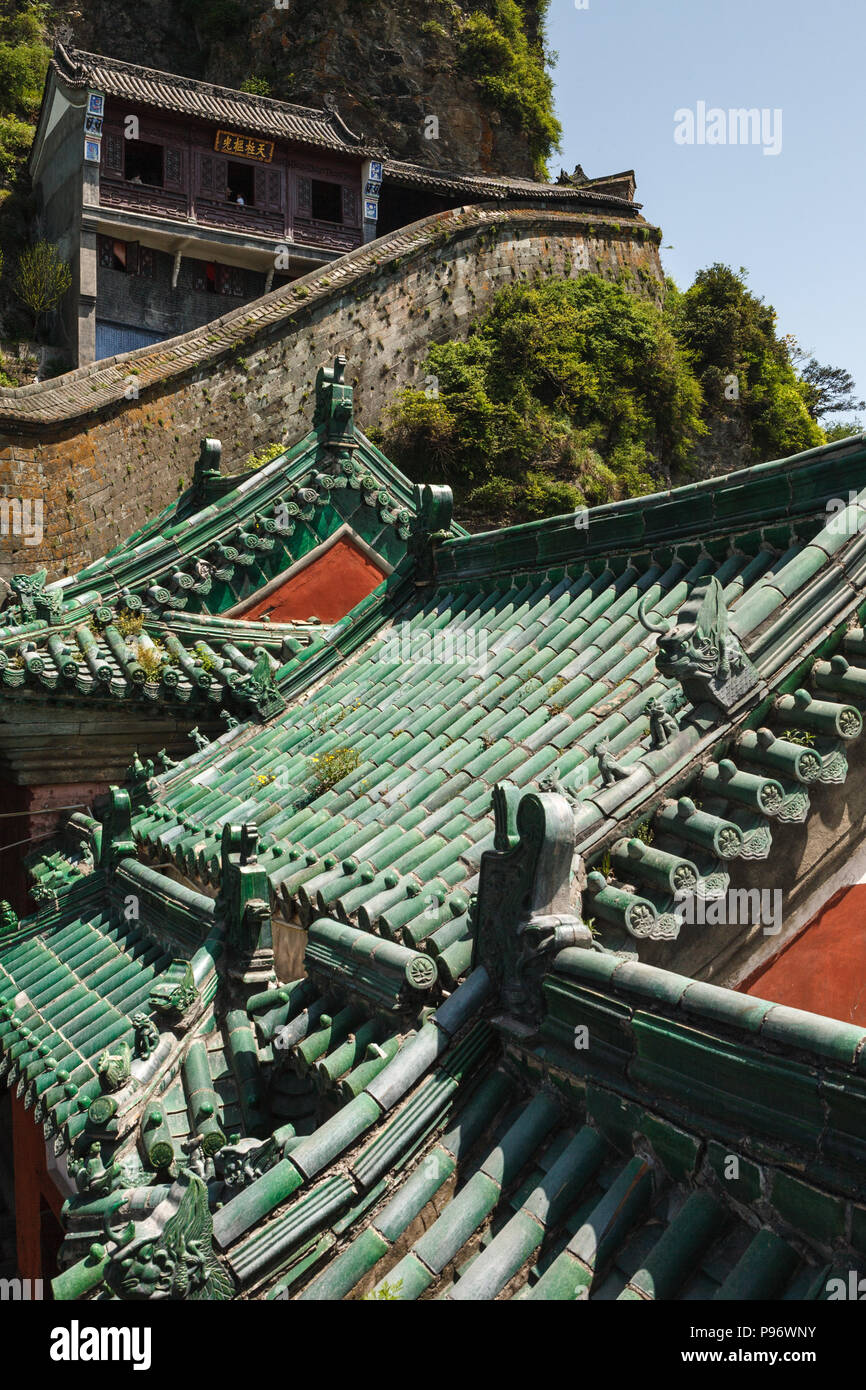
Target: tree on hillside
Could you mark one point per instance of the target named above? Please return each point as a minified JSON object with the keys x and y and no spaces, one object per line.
{"x":568,"y":392}
{"x":831,"y":390}
{"x":731,"y":337}
{"x":41,"y":279}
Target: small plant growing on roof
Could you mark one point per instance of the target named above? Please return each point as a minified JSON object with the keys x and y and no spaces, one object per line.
{"x":390,"y":1292}
{"x":801,"y":736}
{"x":129,"y":624}
{"x":330,"y":768}
{"x":263,"y":779}
{"x":645,"y":832}
{"x":605,"y":866}
{"x":153,"y":659}
{"x":206,"y":659}
{"x":265,"y":455}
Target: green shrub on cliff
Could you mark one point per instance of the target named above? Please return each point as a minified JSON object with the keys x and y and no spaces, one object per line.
{"x":568,"y":392}
{"x":508,"y":65}
{"x":731,"y":337}
{"x":24,"y":57}
{"x":576,"y":392}
{"x":16,"y":137}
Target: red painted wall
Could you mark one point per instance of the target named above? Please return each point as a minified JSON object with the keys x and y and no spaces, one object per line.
{"x":327,"y":588}
{"x":37,"y":1201}
{"x":824,"y":968}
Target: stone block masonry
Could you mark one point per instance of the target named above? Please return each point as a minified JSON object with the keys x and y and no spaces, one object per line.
{"x":109,"y":445}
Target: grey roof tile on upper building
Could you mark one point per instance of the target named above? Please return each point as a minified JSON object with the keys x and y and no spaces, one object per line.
{"x":488,"y":186}
{"x":189,"y":97}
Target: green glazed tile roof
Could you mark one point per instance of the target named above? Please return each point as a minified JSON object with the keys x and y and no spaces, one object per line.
{"x":223,"y":542}
{"x":498,"y":673}
{"x":327,"y":1114}
{"x":69,"y":990}
{"x":208,"y":560}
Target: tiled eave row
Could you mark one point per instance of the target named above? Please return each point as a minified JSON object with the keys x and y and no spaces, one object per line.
{"x":395,"y":845}
{"x":186,"y":96}
{"x":216,"y":556}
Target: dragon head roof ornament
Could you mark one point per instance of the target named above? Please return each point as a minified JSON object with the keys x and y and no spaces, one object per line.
{"x":170,"y":1255}
{"x":702,"y":651}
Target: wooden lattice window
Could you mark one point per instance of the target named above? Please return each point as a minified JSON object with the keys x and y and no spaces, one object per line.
{"x":112,"y":153}
{"x":305,"y":196}
{"x":173,"y":168}
{"x":351,"y":207}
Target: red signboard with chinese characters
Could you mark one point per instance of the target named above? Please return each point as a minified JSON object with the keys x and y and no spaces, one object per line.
{"x":247,"y":146}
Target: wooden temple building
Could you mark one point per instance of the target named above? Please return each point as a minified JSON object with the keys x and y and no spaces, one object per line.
{"x":173,"y":200}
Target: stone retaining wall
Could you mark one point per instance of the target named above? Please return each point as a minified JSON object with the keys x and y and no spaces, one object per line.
{"x":109,"y":445}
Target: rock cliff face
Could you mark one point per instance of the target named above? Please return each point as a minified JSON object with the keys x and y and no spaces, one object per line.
{"x":398,"y":70}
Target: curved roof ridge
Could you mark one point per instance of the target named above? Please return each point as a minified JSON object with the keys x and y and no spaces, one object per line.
{"x":79,"y":67}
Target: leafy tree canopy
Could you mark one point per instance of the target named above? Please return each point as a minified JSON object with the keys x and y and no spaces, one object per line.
{"x":576,"y":392}
{"x":730,"y":336}
{"x":568,"y":392}
{"x":24,"y":57}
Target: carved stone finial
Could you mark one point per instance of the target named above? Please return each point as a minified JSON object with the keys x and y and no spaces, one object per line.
{"x":146,"y":1035}
{"x":175,"y":991}
{"x":702,"y":652}
{"x":113,"y":1067}
{"x":260,"y":686}
{"x":8,"y":918}
{"x":35,"y":597}
{"x":244,"y":901}
{"x":90,"y":1173}
{"x":550,"y":782}
{"x":117,"y":839}
{"x":208,"y":482}
{"x":506,"y":799}
{"x":138,"y":774}
{"x":663,"y":725}
{"x":335,"y":406}
{"x":432,"y":525}
{"x":523,"y":909}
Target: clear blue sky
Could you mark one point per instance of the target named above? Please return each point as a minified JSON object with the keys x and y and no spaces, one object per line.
{"x":794,"y":220}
